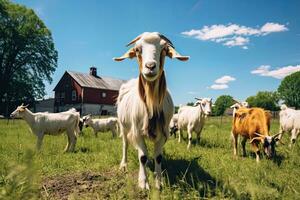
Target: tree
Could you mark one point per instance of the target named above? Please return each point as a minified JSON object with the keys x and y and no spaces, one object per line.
{"x":27,"y":55}
{"x":222,"y":102}
{"x":289,"y":90}
{"x":264,"y":99}
{"x":190,"y":103}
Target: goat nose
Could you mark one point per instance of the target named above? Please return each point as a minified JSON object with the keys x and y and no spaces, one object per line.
{"x":150,"y":65}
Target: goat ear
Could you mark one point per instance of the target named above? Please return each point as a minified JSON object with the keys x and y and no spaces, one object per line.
{"x":129,"y":54}
{"x":172,"y":53}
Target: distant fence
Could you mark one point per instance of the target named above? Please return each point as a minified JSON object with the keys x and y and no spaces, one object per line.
{"x":228,"y":118}
{"x":275,"y":114}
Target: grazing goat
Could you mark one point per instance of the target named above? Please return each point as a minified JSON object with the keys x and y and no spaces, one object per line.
{"x":192,"y":118}
{"x":174,"y":125}
{"x":82,"y":123}
{"x":102,"y":125}
{"x":289,"y":122}
{"x":51,"y":124}
{"x":253,"y":124}
{"x":145,"y":106}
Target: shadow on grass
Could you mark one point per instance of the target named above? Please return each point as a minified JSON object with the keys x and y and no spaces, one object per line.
{"x":278,"y":159}
{"x":203,"y":143}
{"x":83,"y":150}
{"x":189,"y":175}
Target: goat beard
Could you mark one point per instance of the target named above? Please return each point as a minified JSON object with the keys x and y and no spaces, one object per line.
{"x":153,"y":94}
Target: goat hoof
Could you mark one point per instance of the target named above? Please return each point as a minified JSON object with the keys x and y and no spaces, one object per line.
{"x":158,"y":184}
{"x":123,"y":166}
{"x":144,"y":185}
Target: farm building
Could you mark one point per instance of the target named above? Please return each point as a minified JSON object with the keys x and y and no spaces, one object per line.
{"x":87,"y":92}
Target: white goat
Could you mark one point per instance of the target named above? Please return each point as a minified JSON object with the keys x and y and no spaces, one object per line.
{"x":192,"y":118}
{"x":51,"y":124}
{"x":145,"y":106}
{"x":289,"y":122}
{"x":102,"y":125}
{"x":174,"y":125}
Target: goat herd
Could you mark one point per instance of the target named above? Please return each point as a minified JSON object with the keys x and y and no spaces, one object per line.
{"x":145,"y":110}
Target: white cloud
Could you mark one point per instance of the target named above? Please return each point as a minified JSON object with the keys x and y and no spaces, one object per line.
{"x":279,"y":73}
{"x":219,"y":86}
{"x":222,"y":83}
{"x":273,"y":27}
{"x":231,"y":34}
{"x":237,"y":41}
{"x":224,"y":79}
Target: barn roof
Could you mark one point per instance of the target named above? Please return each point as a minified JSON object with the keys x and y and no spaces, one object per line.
{"x":87,"y":80}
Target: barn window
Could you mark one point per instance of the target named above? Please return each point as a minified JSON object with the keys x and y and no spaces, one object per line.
{"x":62,"y":95}
{"x":74,"y":95}
{"x":103,"y":94}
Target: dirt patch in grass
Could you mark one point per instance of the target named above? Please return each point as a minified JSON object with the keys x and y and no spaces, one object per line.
{"x":92,"y":185}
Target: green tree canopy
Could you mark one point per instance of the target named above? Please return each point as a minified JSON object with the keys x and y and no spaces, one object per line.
{"x":289,"y":90}
{"x":264,"y":99}
{"x":222,"y":102}
{"x":27,"y":55}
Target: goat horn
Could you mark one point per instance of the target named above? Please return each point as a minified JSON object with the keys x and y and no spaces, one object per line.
{"x":281,"y":142}
{"x":255,"y":138}
{"x":263,"y":136}
{"x":26,"y":106}
{"x":22,"y":104}
{"x":198,"y":98}
{"x":134,"y":40}
{"x":276,"y":135}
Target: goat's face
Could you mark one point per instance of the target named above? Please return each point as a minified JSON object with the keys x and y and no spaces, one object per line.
{"x":87,"y":120}
{"x":236,"y":106}
{"x":206,"y":105}
{"x":19,"y":111}
{"x":150,"y":50}
{"x":269,"y":143}
{"x":269,"y":146}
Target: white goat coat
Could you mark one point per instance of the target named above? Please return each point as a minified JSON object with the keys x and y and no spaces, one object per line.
{"x":174,"y":120}
{"x":53,"y":123}
{"x":132,"y":112}
{"x":191,"y":118}
{"x":105,"y":124}
{"x":289,"y":119}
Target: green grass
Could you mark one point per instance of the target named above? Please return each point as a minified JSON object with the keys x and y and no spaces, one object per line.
{"x":208,"y":170}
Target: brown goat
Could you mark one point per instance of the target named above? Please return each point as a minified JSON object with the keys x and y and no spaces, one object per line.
{"x":253,"y":124}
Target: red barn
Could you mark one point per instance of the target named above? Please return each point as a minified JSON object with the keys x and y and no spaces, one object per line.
{"x":88,"y":93}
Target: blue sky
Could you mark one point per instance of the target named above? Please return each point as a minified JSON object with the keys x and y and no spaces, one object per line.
{"x":254,"y":44}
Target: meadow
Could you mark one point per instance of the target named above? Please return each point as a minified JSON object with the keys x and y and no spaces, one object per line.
{"x":208,"y":171}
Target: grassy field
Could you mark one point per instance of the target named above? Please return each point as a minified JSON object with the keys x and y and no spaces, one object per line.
{"x":207,"y":171}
